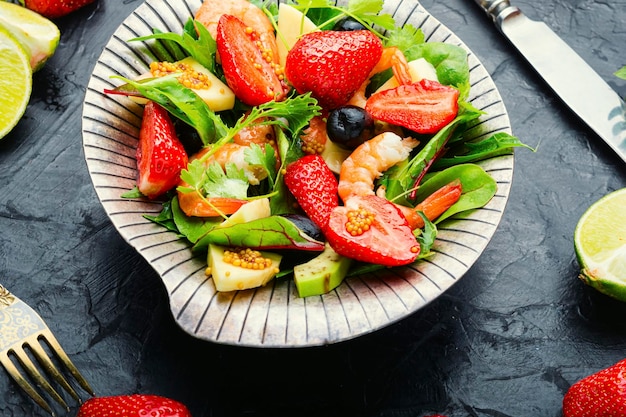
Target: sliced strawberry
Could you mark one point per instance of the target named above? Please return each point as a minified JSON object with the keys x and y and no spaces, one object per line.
{"x":372,"y":229}
{"x":332,"y":65}
{"x":160,"y":154}
{"x":53,"y":9}
{"x":251,"y":74}
{"x":314,"y":186}
{"x":132,"y":406}
{"x":424,"y":107}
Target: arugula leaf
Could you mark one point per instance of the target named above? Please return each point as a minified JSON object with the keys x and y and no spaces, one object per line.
{"x":202,"y":47}
{"x":621,"y":73}
{"x":165,"y":218}
{"x":426,"y":237}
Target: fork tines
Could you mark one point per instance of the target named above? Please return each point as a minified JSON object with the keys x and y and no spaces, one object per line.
{"x":22,"y":334}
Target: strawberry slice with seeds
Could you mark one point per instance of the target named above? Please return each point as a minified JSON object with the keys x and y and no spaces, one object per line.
{"x":372,"y":229}
{"x":250,"y":72}
{"x":53,"y":9}
{"x":602,"y":394}
{"x":160,"y":154}
{"x":332,"y":65}
{"x":424,"y":107}
{"x":314,"y":186}
{"x":132,"y":406}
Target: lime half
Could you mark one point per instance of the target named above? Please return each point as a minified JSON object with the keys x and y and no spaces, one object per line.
{"x":16,"y":80}
{"x":600,"y":243}
{"x":38,"y":35}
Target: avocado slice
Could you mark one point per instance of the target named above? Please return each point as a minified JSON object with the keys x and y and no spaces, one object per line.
{"x":322,"y":273}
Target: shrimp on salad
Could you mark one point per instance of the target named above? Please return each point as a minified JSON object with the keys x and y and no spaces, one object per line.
{"x":252,"y":16}
{"x":369,"y":160}
{"x":193,"y":204}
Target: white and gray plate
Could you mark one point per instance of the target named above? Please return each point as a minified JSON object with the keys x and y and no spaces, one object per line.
{"x":273,"y":316}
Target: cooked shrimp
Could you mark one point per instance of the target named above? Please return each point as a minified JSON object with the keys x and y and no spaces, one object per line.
{"x":369,"y":160}
{"x":392,"y":58}
{"x":210,"y":12}
{"x":193,"y":204}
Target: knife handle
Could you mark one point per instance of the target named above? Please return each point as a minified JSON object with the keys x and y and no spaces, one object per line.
{"x":498,"y":10}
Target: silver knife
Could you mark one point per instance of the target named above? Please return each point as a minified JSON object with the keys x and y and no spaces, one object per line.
{"x":571,"y":78}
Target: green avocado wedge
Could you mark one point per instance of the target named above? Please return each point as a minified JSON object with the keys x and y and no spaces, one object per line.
{"x":38,"y":35}
{"x":321,"y":274}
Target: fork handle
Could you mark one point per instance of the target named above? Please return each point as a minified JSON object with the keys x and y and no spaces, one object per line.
{"x":498,"y":10}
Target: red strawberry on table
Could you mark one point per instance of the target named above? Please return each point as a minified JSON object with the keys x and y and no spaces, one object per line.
{"x":160,"y":154}
{"x":332,"y":65}
{"x":424,"y":107}
{"x":314,"y":186}
{"x":372,"y":229}
{"x":137,"y":405}
{"x":602,"y":394}
{"x":55,"y":8}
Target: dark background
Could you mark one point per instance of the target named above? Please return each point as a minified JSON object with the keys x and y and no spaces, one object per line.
{"x":507,"y":340}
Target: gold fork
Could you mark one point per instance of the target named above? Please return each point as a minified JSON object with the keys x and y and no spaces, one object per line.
{"x":21,"y":331}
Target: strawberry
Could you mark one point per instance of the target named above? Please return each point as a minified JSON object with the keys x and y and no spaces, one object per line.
{"x":136,"y":405}
{"x":53,"y":9}
{"x":332,"y":65}
{"x":602,"y":394}
{"x":372,"y":229}
{"x":314,"y":186}
{"x":160,"y":154}
{"x":249,"y":72}
{"x":424,"y":107}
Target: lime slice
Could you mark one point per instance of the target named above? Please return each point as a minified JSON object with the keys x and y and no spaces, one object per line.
{"x":600,"y":243}
{"x":15,"y":81}
{"x":38,"y":35}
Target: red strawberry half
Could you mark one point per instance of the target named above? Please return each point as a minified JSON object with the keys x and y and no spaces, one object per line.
{"x":132,"y":406}
{"x":332,"y":65}
{"x":248,"y":71}
{"x":55,"y":8}
{"x":424,"y":107}
{"x":160,"y":154}
{"x":602,"y":394}
{"x":372,"y":229}
{"x":314,"y":186}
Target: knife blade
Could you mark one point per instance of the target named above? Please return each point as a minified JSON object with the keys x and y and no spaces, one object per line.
{"x":572,"y":79}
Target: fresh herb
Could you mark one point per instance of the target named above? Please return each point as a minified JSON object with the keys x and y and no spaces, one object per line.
{"x":195,"y":40}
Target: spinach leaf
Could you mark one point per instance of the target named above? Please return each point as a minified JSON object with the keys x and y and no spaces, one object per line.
{"x":450,"y":62}
{"x":195,"y":40}
{"x":477,"y":187}
{"x":499,"y":143}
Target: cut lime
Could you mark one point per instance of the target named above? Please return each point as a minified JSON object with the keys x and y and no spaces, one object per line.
{"x":600,"y":243}
{"x":38,"y":35}
{"x":15,"y":81}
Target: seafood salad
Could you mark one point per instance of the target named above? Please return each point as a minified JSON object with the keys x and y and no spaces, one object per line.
{"x":306,"y":141}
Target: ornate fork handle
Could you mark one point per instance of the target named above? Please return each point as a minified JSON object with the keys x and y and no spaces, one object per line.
{"x":498,"y":10}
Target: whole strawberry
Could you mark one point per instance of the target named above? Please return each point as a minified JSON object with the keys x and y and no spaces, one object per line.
{"x":332,"y":65}
{"x":602,"y":394}
{"x":53,"y":9}
{"x":137,"y":405}
{"x":314,"y":186}
{"x":160,"y":154}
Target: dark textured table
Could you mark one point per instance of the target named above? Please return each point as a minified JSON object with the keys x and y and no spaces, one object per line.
{"x":507,"y":340}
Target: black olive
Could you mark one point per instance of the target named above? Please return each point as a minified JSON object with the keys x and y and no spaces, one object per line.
{"x":347,"y":24}
{"x":349,"y":126}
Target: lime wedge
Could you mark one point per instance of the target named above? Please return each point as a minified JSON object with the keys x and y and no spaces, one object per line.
{"x":600,"y":243}
{"x":15,"y":81}
{"x":38,"y":35}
